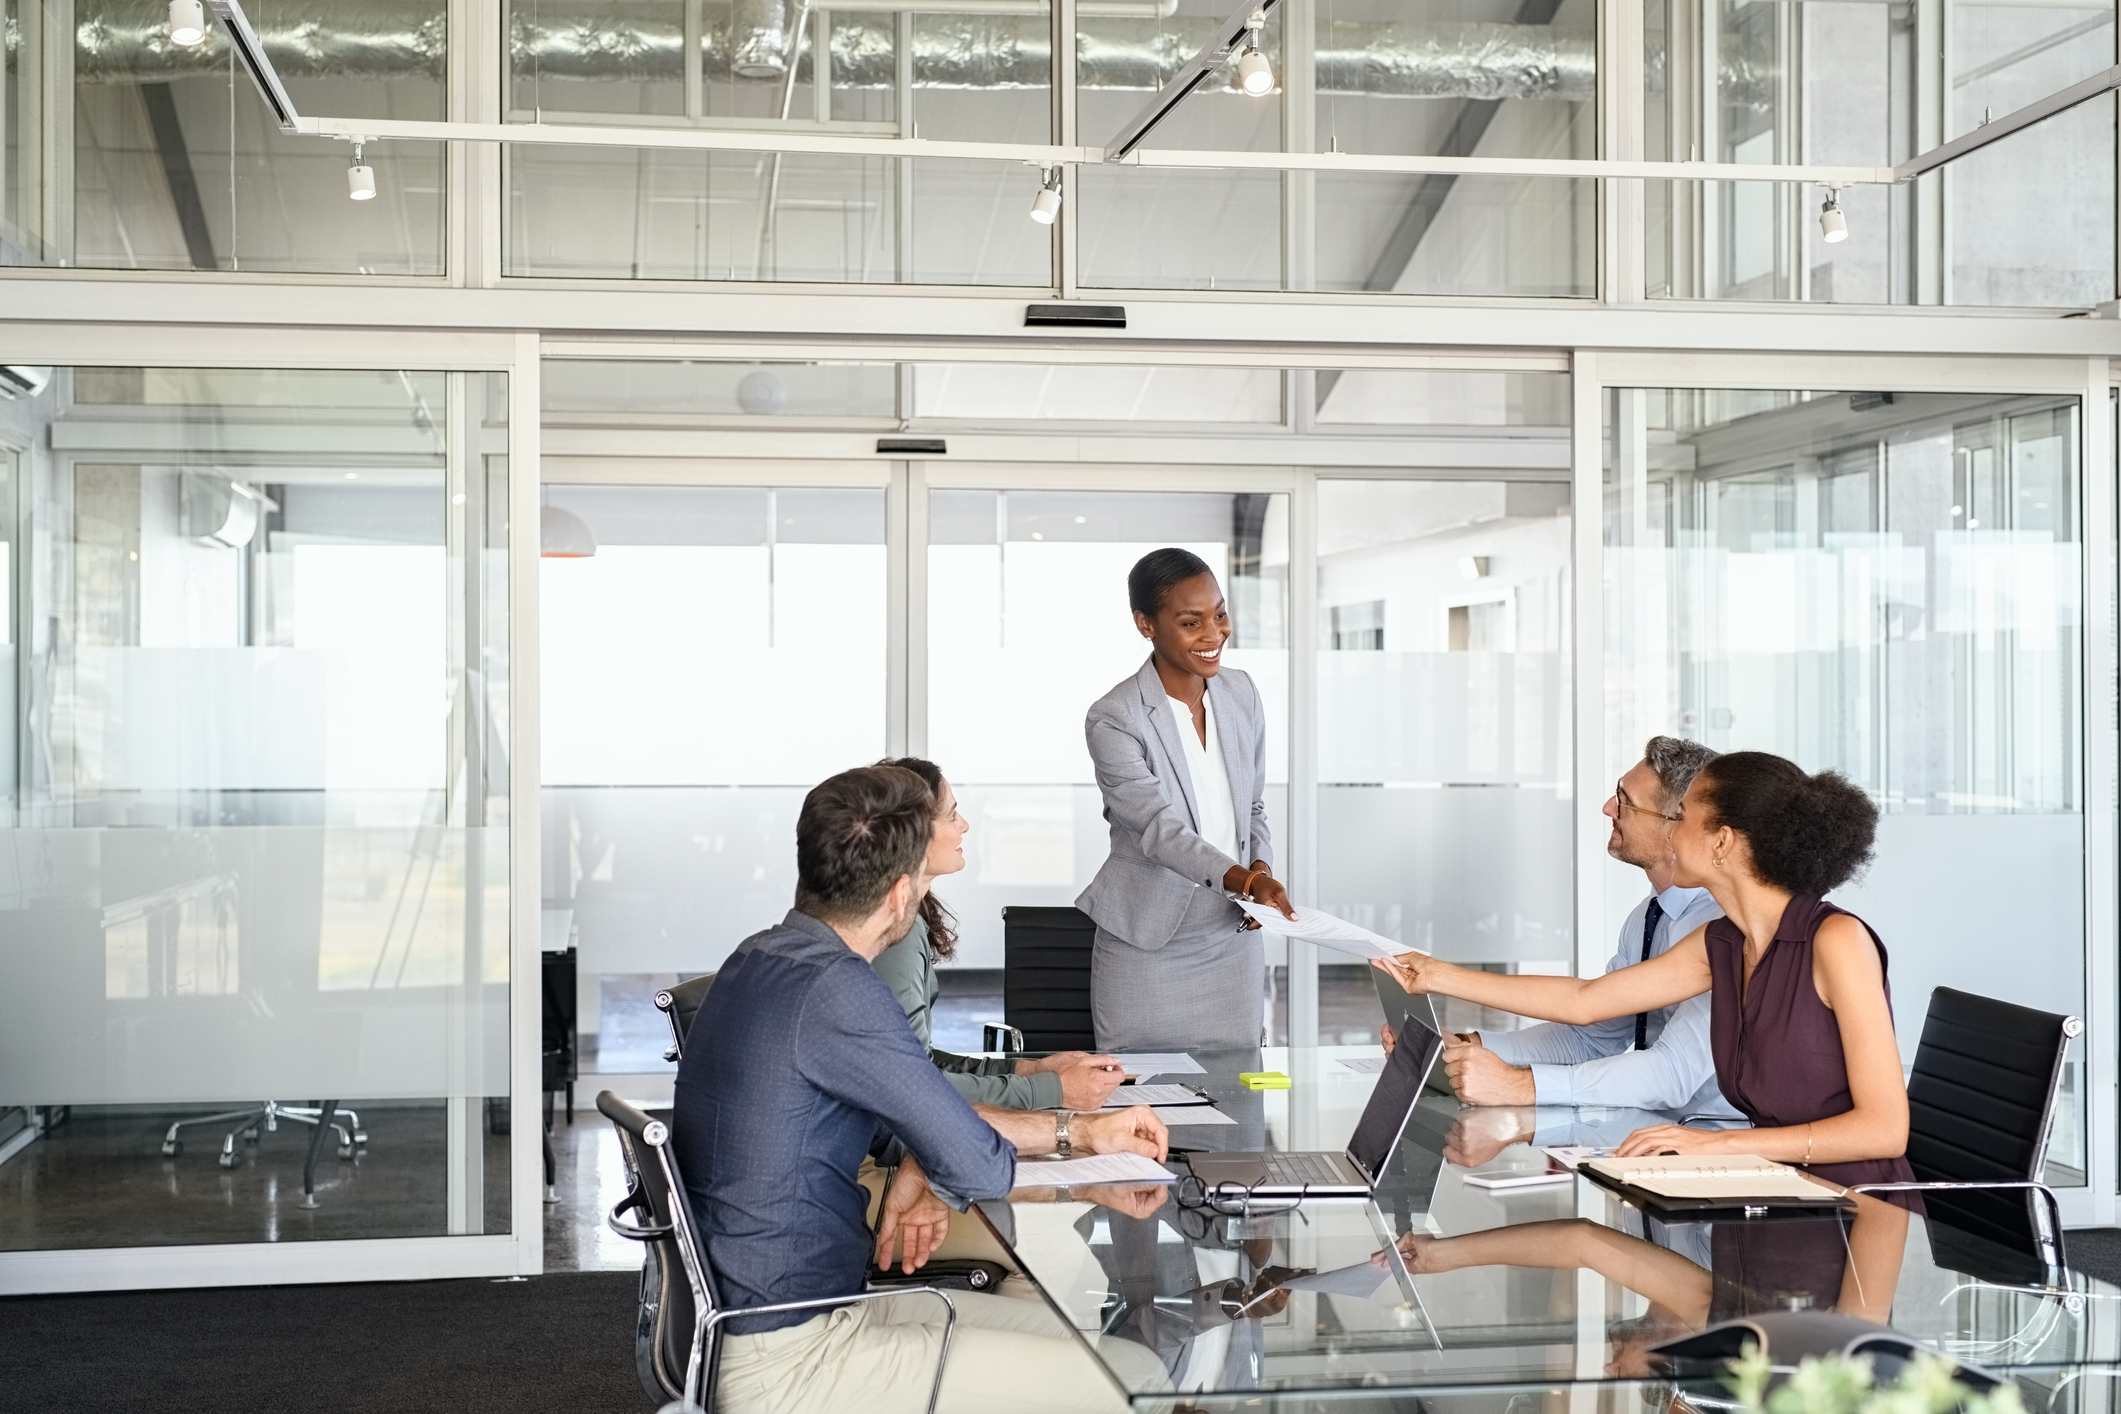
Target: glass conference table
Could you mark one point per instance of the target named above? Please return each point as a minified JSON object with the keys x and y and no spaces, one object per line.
{"x":1514,"y":1300}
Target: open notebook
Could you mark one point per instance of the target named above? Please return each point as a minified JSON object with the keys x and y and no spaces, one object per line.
{"x":1735,"y":1179}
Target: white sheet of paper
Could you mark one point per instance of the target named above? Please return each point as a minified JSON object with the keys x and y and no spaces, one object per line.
{"x":1127,"y":1096}
{"x":1159,"y":1063}
{"x":1093,"y":1168}
{"x":1316,"y":926}
{"x":1177,"y":1116}
{"x":1365,"y":1065}
{"x":1362,"y":1279}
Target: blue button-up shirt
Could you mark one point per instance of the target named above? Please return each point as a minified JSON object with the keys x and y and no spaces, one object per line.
{"x":1598,"y":1064}
{"x":798,"y":1065}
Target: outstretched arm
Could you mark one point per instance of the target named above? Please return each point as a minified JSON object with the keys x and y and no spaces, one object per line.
{"x":1680,"y":972}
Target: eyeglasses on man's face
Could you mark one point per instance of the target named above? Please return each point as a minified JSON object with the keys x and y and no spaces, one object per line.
{"x":1620,"y":798}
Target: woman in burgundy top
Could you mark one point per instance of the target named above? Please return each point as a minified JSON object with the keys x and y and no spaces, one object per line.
{"x":1802,"y":1019}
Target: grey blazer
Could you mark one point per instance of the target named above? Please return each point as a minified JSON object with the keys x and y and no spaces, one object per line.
{"x":1158,"y":857}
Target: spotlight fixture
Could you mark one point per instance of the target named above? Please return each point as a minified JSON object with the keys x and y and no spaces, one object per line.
{"x":1833,"y":226}
{"x":360,"y":178}
{"x":1045,"y":207}
{"x":187,"y":23}
{"x":1255,"y":75}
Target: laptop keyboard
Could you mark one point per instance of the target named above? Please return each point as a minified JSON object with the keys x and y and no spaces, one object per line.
{"x":1303,"y":1168}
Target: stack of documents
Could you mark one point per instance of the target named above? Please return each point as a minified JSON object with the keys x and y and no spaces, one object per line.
{"x":1732,"y":1179}
{"x":1315,"y":926}
{"x":1173,"y":1104}
{"x":1096,"y":1168}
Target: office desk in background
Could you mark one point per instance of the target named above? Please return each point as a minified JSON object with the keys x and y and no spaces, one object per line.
{"x":1179,"y":1280}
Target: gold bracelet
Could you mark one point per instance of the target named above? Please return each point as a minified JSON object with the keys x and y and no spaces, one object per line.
{"x":1807,"y":1146}
{"x":1250,"y":879}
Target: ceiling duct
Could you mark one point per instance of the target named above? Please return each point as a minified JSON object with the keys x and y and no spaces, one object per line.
{"x":384,"y":39}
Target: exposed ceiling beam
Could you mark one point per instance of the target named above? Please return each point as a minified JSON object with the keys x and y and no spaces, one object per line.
{"x":170,"y":146}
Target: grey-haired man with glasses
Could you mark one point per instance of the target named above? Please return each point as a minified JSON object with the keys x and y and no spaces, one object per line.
{"x":1659,"y":1060}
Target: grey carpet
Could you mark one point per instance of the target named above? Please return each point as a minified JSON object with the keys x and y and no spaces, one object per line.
{"x":2096,"y":1252}
{"x":560,"y":1343}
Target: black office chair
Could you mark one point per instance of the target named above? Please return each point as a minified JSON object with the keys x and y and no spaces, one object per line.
{"x":1981,"y":1101}
{"x":560,"y":1059}
{"x":1046,"y":977}
{"x":678,"y":1339}
{"x":679,"y":1005}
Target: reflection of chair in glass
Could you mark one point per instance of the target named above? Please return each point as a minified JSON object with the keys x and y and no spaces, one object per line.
{"x":266,"y":1117}
{"x":679,"y":1333}
{"x":1046,"y":977}
{"x":1981,"y":1101}
{"x":559,"y":1060}
{"x":680,"y":1004}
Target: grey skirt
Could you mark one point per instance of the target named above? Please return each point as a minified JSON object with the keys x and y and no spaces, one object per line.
{"x":1206,"y":989}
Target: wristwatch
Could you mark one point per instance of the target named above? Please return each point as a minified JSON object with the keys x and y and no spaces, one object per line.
{"x":1061,"y":1147}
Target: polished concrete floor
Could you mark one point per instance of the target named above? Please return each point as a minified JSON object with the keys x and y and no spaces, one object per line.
{"x":100,"y":1180}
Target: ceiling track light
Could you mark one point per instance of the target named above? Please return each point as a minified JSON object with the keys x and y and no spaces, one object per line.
{"x":360,"y":177}
{"x":1833,"y":226}
{"x":1255,"y":75}
{"x":187,"y":23}
{"x":1045,"y":207}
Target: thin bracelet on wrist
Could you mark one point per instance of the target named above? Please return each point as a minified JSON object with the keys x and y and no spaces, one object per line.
{"x":1808,"y":1146}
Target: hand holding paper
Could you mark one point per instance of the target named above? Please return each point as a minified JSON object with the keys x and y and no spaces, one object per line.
{"x":1317,"y":926}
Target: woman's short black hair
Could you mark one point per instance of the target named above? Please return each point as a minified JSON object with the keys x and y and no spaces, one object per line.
{"x":1159,"y":572}
{"x":1809,"y":834}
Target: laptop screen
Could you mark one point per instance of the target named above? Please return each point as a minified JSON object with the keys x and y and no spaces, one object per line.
{"x":1398,"y":1087}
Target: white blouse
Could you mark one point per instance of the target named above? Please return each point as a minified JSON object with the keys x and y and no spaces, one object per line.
{"x":1211,"y":780}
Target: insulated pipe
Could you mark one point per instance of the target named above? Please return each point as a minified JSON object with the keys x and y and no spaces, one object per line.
{"x":128,"y":41}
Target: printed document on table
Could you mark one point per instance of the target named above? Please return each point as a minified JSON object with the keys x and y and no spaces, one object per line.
{"x":1362,"y":1279}
{"x":1128,"y":1096}
{"x":1180,"y":1116}
{"x":1315,"y":926}
{"x":1159,"y":1063}
{"x":1126,"y":1167}
{"x":1365,"y":1065}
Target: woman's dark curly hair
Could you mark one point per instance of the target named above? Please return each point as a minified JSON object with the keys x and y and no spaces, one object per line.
{"x":942,"y":923}
{"x":1809,"y":834}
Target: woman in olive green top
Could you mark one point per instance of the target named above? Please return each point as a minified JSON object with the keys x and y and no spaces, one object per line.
{"x":1072,"y":1080}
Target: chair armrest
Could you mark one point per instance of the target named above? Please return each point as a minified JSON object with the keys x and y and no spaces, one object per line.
{"x":2054,"y":1204}
{"x":638,"y":1232}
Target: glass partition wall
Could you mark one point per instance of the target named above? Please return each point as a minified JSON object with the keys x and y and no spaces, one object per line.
{"x":254,"y":907}
{"x":1890,"y":586}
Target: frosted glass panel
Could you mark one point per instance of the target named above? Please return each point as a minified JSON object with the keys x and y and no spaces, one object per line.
{"x":1891,"y":587}
{"x":258,"y":848}
{"x":1031,"y":586}
{"x":1444,"y":806}
{"x":721,"y":653}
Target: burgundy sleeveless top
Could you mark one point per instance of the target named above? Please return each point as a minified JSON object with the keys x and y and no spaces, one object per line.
{"x":1778,"y":1051}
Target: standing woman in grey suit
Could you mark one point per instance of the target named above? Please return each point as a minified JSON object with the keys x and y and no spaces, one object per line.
{"x":1181,"y":755}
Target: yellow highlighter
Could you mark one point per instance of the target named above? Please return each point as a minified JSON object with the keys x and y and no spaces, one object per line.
{"x":1263,"y":1080}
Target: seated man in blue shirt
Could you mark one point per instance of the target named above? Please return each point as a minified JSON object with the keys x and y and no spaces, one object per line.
{"x":1659,"y":1060}
{"x":801,"y":1066}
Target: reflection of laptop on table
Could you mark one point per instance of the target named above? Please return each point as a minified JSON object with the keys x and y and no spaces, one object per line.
{"x":1355,"y":1172}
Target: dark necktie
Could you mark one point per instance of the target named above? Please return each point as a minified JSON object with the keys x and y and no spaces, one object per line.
{"x":1650,"y":920}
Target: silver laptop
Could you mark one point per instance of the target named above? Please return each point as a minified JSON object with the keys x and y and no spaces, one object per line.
{"x":1354,"y":1172}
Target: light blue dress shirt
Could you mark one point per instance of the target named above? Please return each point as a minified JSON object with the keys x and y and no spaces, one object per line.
{"x":1598,"y":1065}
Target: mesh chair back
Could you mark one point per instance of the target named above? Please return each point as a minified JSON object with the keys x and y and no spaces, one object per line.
{"x":680,"y":1004}
{"x":1981,"y":1098}
{"x":671,"y":1296}
{"x":1046,"y":976}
